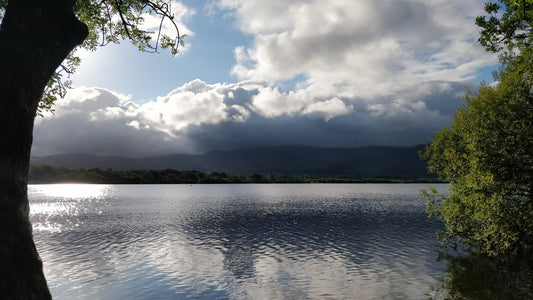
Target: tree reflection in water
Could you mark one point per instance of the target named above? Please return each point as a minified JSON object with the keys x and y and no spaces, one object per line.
{"x":477,"y":277}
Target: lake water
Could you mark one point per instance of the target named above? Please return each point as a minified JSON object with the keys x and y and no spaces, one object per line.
{"x":253,"y":241}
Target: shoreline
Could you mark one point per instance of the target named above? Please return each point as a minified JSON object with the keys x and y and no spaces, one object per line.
{"x":42,"y":174}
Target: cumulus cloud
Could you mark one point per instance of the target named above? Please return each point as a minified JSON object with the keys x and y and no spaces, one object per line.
{"x":181,"y":13}
{"x":199,"y":117}
{"x":370,"y":47}
{"x":322,"y":73}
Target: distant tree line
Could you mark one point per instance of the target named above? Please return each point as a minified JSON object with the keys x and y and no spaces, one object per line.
{"x":51,"y":174}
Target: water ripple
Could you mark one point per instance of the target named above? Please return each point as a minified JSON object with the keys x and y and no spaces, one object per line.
{"x":237,"y":242}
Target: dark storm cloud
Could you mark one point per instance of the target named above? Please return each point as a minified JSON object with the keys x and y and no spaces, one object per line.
{"x":360,"y":73}
{"x":98,"y":121}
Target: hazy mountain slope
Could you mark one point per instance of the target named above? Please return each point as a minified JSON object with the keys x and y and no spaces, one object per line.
{"x":392,"y":162}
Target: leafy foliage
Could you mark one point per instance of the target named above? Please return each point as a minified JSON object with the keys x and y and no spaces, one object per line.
{"x":487,"y":156}
{"x":507,"y":25}
{"x":111,"y":21}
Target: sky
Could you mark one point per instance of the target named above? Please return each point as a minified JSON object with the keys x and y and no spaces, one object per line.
{"x":254,"y":73}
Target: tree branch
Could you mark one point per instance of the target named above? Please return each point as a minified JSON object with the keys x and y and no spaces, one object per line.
{"x":118,"y":3}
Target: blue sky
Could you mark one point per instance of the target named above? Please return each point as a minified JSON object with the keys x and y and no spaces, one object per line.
{"x":209,"y":56}
{"x":255,"y":73}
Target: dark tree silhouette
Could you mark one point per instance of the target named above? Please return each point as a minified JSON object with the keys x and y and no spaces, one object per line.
{"x":36,"y":36}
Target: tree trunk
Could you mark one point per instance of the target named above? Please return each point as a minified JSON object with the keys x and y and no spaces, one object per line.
{"x":35,"y":37}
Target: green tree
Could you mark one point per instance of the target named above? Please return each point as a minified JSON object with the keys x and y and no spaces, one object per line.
{"x":507,"y":25}
{"x":487,"y":157}
{"x":487,"y":154}
{"x":36,"y":42}
{"x":506,"y":29}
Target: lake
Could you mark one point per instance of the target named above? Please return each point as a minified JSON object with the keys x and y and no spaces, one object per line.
{"x":250,"y":241}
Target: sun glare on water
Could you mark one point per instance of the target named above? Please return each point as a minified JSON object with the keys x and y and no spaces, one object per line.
{"x":73,"y":191}
{"x":51,"y":202}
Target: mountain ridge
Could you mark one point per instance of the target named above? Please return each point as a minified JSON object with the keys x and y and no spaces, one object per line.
{"x":362,"y":162}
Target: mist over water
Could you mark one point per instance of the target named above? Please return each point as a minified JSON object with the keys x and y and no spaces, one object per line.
{"x":337,"y":241}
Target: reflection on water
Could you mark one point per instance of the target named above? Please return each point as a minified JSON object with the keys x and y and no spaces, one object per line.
{"x":476,"y":277}
{"x":350,"y":241}
{"x":54,"y":206}
{"x":69,"y":191}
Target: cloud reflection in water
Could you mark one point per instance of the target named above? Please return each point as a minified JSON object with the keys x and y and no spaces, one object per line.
{"x":239,"y":242}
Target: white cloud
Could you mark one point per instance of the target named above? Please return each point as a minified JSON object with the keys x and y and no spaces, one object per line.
{"x":373,"y":47}
{"x":193,"y":104}
{"x":155,"y":24}
{"x":341,"y":73}
{"x":198,"y":117}
{"x":270,"y":102}
{"x":328,"y":109}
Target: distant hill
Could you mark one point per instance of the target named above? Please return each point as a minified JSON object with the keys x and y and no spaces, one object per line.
{"x":364,"y":162}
